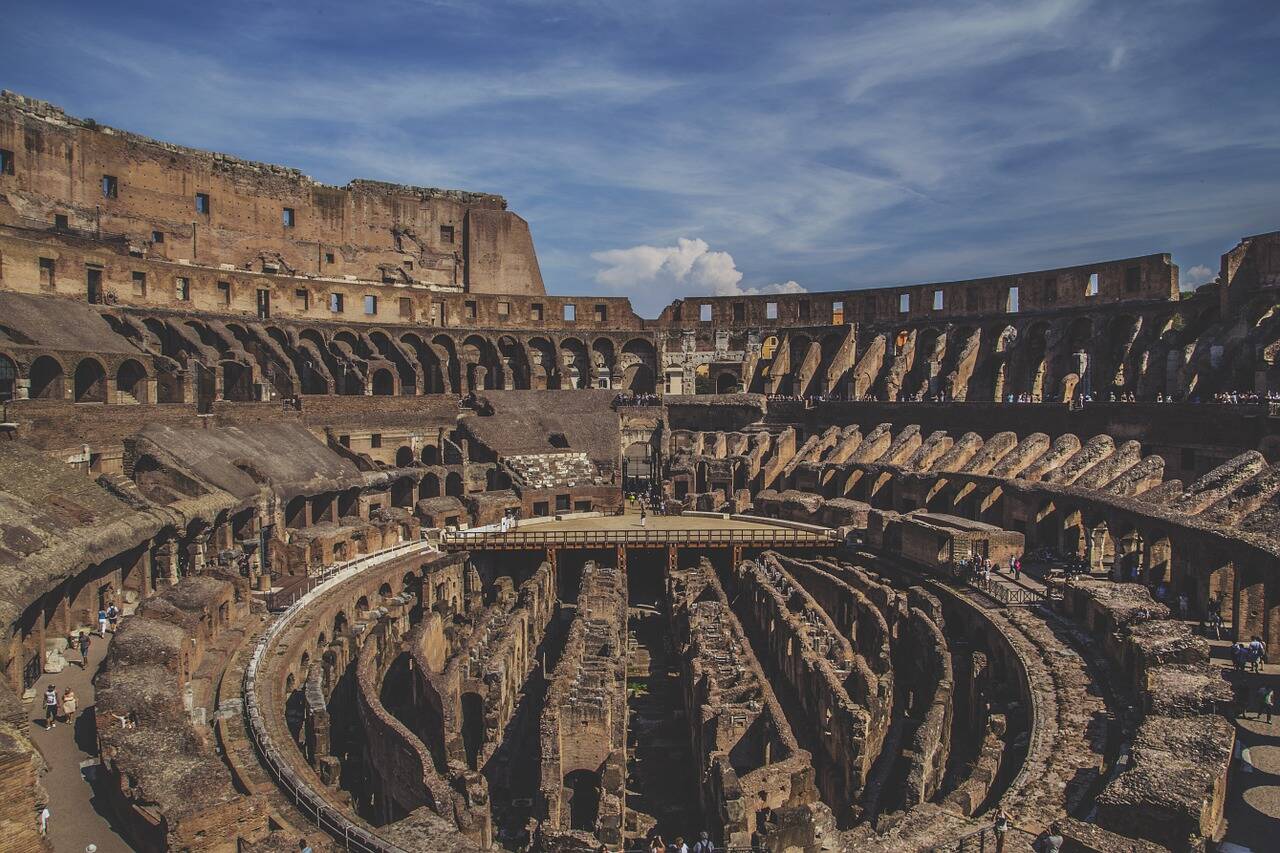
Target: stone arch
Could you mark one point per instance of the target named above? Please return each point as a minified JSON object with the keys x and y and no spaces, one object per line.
{"x":390,"y":351}
{"x":8,"y":377}
{"x":404,"y":456}
{"x":383,"y":383}
{"x":575,"y":363}
{"x":583,"y":789}
{"x":453,"y":484}
{"x":603,"y":361}
{"x":727,"y":383}
{"x":432,"y":374}
{"x":90,"y":381}
{"x":429,"y":487}
{"x":46,"y":378}
{"x":515,"y":363}
{"x":237,"y":382}
{"x":450,"y":368}
{"x":402,"y":492}
{"x":131,"y":381}
{"x":639,"y":363}
{"x":544,"y":372}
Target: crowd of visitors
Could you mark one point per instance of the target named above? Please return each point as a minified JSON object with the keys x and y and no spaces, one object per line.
{"x":627,"y":398}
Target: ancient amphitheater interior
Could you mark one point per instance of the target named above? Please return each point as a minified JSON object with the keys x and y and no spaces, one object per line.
{"x":364,"y":496}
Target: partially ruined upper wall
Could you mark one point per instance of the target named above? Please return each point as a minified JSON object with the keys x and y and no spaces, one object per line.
{"x":370,"y":230}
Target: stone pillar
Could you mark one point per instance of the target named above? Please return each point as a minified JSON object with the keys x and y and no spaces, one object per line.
{"x":1250,"y":603}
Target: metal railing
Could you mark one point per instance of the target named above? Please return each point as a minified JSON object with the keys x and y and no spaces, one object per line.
{"x":324,"y":815}
{"x":1010,"y":595}
{"x":543,"y":538}
{"x":284,"y":599}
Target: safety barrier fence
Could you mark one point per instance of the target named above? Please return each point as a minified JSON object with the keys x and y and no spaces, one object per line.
{"x":544,"y":538}
{"x":324,"y":815}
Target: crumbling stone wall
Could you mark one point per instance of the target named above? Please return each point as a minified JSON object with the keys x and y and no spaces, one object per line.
{"x":750,"y":761}
{"x":584,"y":722}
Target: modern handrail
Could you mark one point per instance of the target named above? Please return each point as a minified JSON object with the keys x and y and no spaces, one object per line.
{"x":636,"y":537}
{"x":352,"y":836}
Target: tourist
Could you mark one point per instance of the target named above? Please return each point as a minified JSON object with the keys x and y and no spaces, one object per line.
{"x":1257,"y":650}
{"x":642,"y":514}
{"x":113,"y":616}
{"x":84,"y":649}
{"x":678,"y":846}
{"x":656,"y":845}
{"x":69,"y":706}
{"x":1051,"y":841}
{"x":1238,"y":655}
{"x":303,"y":846}
{"x":1001,"y":828}
{"x":1268,"y":702}
{"x":704,"y":844}
{"x":44,"y":820}
{"x":102,"y":622}
{"x":50,"y":707}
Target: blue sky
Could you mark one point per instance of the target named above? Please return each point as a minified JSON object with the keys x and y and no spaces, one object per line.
{"x":660,"y":149}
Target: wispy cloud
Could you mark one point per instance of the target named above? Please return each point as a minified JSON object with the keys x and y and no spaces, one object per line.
{"x":839,"y":145}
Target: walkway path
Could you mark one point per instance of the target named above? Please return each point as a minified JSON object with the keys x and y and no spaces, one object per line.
{"x":76,"y":811}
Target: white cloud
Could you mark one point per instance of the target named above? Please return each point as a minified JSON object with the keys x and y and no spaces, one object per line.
{"x":1196,"y":276}
{"x":689,"y":267}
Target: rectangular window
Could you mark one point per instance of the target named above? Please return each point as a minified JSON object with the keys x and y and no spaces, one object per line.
{"x":535,"y":312}
{"x":1092,"y":289}
{"x":407,"y":265}
{"x":139,"y":284}
{"x":704,"y":313}
{"x":601,"y":313}
{"x":328,"y":257}
{"x":370,"y":305}
{"x":570,"y":313}
{"x":375,"y":439}
{"x":562,"y":503}
{"x":1132,"y":279}
{"x":504,"y":309}
{"x":335,"y":303}
{"x":803,"y":308}
{"x":224,"y":288}
{"x":771,"y":310}
{"x":6,"y":161}
{"x":182,"y":289}
{"x":406,"y":307}
{"x":904,"y":303}
{"x":46,"y":273}
{"x":439,"y":314}
{"x":203,"y":205}
{"x":1011,"y":301}
{"x":157,"y":236}
{"x":110,"y":186}
{"x":1050,"y":290}
{"x":739,"y":312}
{"x":287,"y":217}
{"x":937,"y":300}
{"x":264,"y":304}
{"x":470,"y":306}
{"x":837,"y":313}
{"x":446,"y":233}
{"x":60,"y":222}
{"x":344,"y":440}
{"x":302,"y":298}
{"x":540,"y":508}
